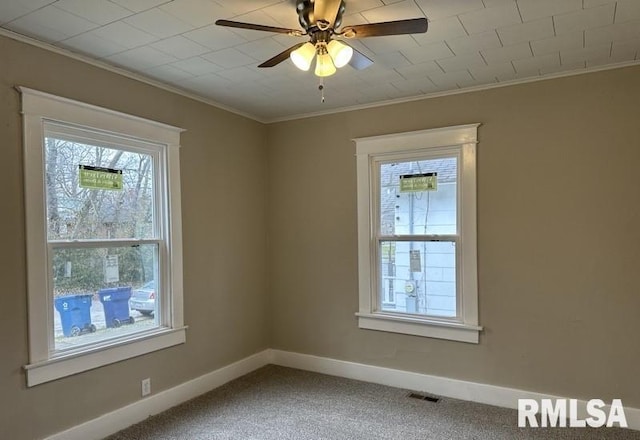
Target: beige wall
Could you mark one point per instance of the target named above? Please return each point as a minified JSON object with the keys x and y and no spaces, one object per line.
{"x":224,"y":245}
{"x":558,"y":237}
{"x":559,"y":242}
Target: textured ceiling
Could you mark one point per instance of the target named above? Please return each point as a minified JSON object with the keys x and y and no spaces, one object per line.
{"x":470,"y":43}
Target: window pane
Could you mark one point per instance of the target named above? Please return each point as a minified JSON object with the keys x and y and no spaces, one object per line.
{"x":418,"y":277}
{"x":113,"y":201}
{"x":418,"y":197}
{"x":103,"y":293}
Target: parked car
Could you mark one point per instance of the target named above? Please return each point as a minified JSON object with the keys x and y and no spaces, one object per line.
{"x":143,"y":299}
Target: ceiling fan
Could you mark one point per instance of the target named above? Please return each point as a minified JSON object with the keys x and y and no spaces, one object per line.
{"x":321,"y":20}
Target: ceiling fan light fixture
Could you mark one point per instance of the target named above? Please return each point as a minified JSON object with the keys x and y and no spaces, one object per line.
{"x":320,"y":21}
{"x":324,"y":65}
{"x":340,"y":53}
{"x":303,"y":56}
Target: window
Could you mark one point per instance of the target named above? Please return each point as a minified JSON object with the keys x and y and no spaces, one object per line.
{"x":104,"y":253}
{"x":417,"y":233}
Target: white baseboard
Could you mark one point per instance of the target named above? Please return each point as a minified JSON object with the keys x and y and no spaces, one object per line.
{"x":121,"y":418}
{"x":440,"y":386}
{"x":124,"y":417}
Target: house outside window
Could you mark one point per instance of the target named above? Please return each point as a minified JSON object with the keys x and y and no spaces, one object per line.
{"x":417,"y":233}
{"x":104,"y":257}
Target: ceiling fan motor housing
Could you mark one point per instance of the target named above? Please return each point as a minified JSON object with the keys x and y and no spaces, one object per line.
{"x":318,"y":36}
{"x":307,"y":18}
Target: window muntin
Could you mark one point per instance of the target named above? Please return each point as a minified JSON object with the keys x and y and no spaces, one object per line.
{"x":417,"y":233}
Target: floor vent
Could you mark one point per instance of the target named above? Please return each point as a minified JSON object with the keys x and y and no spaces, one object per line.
{"x":423,"y":397}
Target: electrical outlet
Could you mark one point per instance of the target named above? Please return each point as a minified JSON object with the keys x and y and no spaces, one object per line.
{"x":146,"y":386}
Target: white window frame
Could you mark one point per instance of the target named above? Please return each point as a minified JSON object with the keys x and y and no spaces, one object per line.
{"x":457,"y":141}
{"x":44,"y":365}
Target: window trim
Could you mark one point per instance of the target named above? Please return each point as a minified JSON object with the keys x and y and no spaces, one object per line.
{"x":371,"y":151}
{"x":37,"y":107}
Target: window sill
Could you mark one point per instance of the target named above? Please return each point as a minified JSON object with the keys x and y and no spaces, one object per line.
{"x":419,"y":327}
{"x":63,"y":366}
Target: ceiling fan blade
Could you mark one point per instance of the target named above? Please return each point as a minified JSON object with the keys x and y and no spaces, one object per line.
{"x":359,"y":60}
{"x":280,"y":57}
{"x":326,"y":10}
{"x":258,"y":27}
{"x":410,"y":26}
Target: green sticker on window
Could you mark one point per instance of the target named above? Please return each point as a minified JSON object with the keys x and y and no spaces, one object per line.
{"x":100,"y":178}
{"x":419,"y":182}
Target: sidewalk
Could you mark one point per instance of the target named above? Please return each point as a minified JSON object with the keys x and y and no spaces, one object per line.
{"x":102,"y":332}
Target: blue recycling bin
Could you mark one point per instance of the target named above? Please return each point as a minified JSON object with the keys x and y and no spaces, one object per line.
{"x":115,"y":301}
{"x":75,"y":314}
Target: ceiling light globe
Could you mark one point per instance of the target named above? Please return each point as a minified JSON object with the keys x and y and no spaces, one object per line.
{"x":324,"y":65}
{"x":303,"y":56}
{"x":340,"y":53}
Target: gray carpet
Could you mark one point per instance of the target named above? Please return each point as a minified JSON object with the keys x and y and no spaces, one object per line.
{"x":283,"y":403}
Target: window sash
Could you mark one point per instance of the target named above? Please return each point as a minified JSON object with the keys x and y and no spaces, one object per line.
{"x":100,"y":138}
{"x":377,"y":237}
{"x":163,"y":313}
{"x":376,"y":291}
{"x":376,"y":162}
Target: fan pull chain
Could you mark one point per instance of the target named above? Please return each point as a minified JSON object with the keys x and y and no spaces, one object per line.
{"x":321,"y":88}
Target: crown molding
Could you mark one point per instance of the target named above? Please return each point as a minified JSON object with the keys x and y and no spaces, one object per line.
{"x":267,"y":120}
{"x":514,"y":82}
{"x":126,"y":73}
